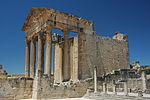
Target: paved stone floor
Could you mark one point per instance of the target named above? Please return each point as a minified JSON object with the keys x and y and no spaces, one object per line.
{"x":115,"y":97}
{"x":109,"y":96}
{"x":99,"y":96}
{"x":103,"y":97}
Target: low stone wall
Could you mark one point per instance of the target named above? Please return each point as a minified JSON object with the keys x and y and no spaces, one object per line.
{"x":134,"y":85}
{"x":15,"y":88}
{"x":43,"y":89}
{"x":17,"y":75}
{"x":75,"y":91}
{"x":148,"y":84}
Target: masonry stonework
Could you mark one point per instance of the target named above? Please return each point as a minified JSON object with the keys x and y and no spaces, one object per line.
{"x":81,"y":64}
{"x":78,"y":55}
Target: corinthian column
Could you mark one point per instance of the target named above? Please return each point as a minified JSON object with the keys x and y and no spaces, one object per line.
{"x":58,"y":64}
{"x":66,"y":68}
{"x":40,"y":54}
{"x":48,"y":51}
{"x":27,"y":66}
{"x":33,"y":57}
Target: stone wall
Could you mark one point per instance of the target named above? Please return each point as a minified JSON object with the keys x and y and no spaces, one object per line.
{"x":113,"y":54}
{"x":135,"y":84}
{"x":17,"y":75}
{"x":15,"y":88}
{"x":148,"y":84}
{"x":44,"y":89}
{"x":106,"y":54}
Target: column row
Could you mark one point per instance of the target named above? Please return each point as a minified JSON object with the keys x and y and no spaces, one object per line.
{"x":40,"y":67}
{"x":48,"y":41}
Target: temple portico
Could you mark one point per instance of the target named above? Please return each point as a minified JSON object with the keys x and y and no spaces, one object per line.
{"x":40,"y":38}
{"x":61,"y":66}
{"x":46,"y":38}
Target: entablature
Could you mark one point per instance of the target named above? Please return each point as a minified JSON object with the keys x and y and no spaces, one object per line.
{"x":39,"y":18}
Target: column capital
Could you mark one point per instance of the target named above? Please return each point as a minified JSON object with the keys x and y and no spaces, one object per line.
{"x":33,"y":39}
{"x":27,"y":40}
{"x":40,"y":35}
{"x":66,"y":31}
{"x":27,"y":43}
{"x":49,"y":30}
{"x":48,"y":37}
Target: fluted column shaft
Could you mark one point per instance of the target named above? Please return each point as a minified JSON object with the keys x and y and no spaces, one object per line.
{"x":40,"y":54}
{"x":27,"y":66}
{"x":33,"y":58}
{"x":48,"y":51}
{"x":66,"y":69}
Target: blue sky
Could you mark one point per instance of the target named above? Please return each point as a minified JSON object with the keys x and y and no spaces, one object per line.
{"x":109,"y":16}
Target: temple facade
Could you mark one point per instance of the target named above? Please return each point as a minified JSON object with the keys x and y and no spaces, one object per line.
{"x":60,"y":66}
{"x":74,"y":57}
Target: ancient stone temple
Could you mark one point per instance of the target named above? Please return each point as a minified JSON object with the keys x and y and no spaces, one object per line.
{"x":60,"y":66}
{"x":74,"y":57}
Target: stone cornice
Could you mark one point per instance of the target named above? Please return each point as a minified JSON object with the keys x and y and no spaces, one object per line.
{"x":39,"y":16}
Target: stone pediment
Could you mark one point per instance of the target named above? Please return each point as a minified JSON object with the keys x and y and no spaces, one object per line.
{"x":39,"y":16}
{"x":34,"y":18}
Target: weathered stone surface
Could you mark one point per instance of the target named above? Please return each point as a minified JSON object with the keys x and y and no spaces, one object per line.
{"x":105,"y":53}
{"x":33,"y":58}
{"x":58,"y":78}
{"x":15,"y":88}
{"x":78,"y":61}
{"x":48,"y":51}
{"x":27,"y":66}
{"x":74,"y":59}
{"x":81,"y":53}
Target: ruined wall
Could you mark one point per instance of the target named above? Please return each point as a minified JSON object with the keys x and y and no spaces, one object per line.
{"x":15,"y":88}
{"x":106,"y":53}
{"x":135,"y":84}
{"x":113,"y":54}
{"x":85,"y":40}
{"x":43,"y":89}
{"x":17,"y":75}
{"x":148,"y":83}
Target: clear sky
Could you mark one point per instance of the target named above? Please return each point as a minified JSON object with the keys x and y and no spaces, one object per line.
{"x":109,"y":16}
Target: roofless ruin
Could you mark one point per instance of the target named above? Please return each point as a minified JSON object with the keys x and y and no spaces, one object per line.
{"x":74,"y":57}
{"x":67,"y":66}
